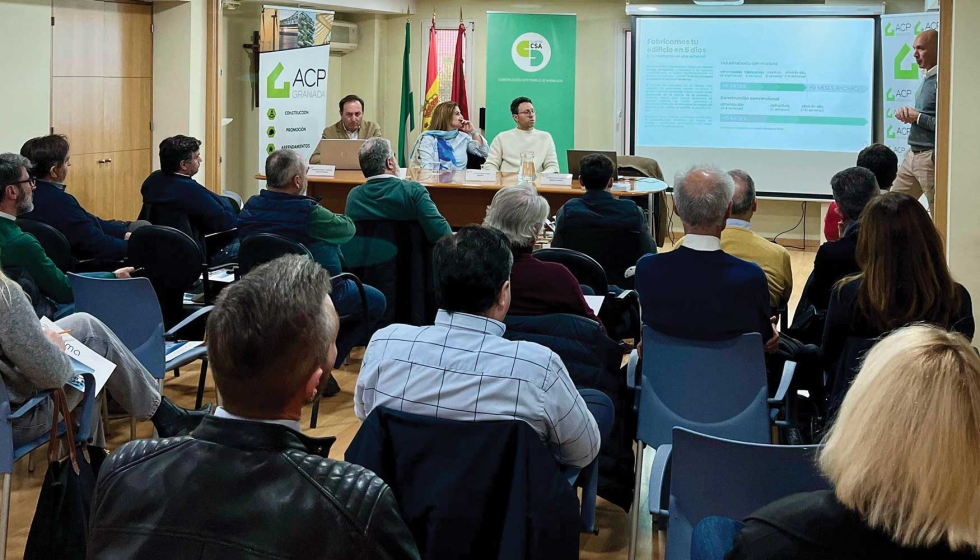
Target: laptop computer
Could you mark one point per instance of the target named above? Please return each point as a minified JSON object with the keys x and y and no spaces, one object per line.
{"x":575,"y":160}
{"x":342,"y":154}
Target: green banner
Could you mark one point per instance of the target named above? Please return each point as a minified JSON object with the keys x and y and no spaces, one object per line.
{"x":533,"y":55}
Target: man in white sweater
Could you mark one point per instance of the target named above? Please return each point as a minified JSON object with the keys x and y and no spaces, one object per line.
{"x":507,"y":147}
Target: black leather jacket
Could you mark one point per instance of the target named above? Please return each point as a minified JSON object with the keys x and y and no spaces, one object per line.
{"x":242,"y":490}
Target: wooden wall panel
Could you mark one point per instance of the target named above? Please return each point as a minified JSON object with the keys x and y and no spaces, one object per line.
{"x":128,"y":112}
{"x":128,"y":41}
{"x":78,"y":38}
{"x":87,"y":182}
{"x":125,"y":177}
{"x":77,"y":111}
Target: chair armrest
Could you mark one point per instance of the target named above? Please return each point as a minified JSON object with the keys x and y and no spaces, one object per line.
{"x":631,"y":369}
{"x":789,"y":368}
{"x":172,"y":333}
{"x":360,"y":288}
{"x":660,"y":481}
{"x":36,"y":400}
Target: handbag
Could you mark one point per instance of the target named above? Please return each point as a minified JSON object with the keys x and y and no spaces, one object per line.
{"x":60,"y":526}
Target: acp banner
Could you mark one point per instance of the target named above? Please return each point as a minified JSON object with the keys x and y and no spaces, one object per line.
{"x":901,"y":76}
{"x":292,"y":100}
{"x":533,"y":55}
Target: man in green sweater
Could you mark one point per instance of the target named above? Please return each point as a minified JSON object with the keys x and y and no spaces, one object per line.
{"x":20,"y":250}
{"x":386,"y":197}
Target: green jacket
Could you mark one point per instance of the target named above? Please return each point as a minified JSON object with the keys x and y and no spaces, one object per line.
{"x":19,"y":249}
{"x":392,"y":198}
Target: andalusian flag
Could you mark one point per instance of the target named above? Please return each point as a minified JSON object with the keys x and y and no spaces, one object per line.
{"x":407,"y":118}
{"x":431,"y":78}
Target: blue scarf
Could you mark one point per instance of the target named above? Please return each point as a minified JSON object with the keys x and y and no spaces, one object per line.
{"x":446,"y":152}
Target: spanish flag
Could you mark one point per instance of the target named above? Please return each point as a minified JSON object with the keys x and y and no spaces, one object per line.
{"x":431,"y":78}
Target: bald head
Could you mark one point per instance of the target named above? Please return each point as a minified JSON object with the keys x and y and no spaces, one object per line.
{"x":925,"y":48}
{"x":703,"y":197}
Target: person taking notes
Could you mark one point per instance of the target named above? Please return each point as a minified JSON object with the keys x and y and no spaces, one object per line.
{"x":507,"y":147}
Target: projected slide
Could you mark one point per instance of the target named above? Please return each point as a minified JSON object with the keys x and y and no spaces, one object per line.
{"x":754,"y":83}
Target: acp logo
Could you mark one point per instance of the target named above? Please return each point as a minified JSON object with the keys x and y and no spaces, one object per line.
{"x":272,"y":91}
{"x":531,"y":52}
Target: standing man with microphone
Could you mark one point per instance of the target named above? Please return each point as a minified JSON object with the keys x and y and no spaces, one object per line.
{"x":917,"y":174}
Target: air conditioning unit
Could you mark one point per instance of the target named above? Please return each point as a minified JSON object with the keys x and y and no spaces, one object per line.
{"x":343,"y":37}
{"x":932,"y":5}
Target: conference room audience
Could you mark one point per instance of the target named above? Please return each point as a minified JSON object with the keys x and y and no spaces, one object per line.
{"x":20,"y":253}
{"x":904,"y":279}
{"x":903,"y":460}
{"x":853,"y":188}
{"x":384,"y":196}
{"x":507,"y":147}
{"x":90,"y":237}
{"x":740,"y":241}
{"x":247,"y":482}
{"x":698,"y":291}
{"x":598,"y":209}
{"x":462,"y":368}
{"x":33,"y":359}
{"x":536,"y":287}
{"x":173,"y":187}
{"x":449,"y":140}
{"x":880,"y":160}
{"x":351,"y":125}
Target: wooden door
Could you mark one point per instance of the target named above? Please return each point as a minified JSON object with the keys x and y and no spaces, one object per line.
{"x":102,"y":99}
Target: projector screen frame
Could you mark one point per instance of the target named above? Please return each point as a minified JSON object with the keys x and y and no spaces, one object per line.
{"x":637,"y":11}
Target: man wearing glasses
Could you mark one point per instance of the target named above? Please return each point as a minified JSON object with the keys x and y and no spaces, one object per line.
{"x":507,"y":147}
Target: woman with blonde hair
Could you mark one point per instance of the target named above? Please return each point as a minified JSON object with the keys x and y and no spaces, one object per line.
{"x":903,"y":456}
{"x":449,"y":139}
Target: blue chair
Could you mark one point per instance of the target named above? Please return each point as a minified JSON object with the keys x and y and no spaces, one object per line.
{"x":717,"y":388}
{"x":715,"y":476}
{"x":129,"y":307}
{"x":9,"y":454}
{"x":602,"y":409}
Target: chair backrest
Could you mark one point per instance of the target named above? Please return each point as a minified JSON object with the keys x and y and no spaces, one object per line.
{"x":714,"y":476}
{"x":163,"y":215}
{"x":172,"y":261}
{"x":54,"y":243}
{"x":260,"y":248}
{"x":130,"y":309}
{"x":234,"y":198}
{"x":842,"y":374}
{"x":712,"y":387}
{"x":596,"y":243}
{"x":584,"y":268}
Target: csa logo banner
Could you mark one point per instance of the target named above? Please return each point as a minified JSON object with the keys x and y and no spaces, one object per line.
{"x":531,"y":52}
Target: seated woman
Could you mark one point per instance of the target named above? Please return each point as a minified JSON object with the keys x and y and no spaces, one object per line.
{"x":536,"y":287}
{"x":902,"y":457}
{"x":449,"y":139}
{"x":32,"y":359}
{"x":904,"y":279}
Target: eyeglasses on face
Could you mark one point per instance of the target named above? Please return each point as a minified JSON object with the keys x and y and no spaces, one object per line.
{"x":527,"y":113}
{"x":30,"y":180}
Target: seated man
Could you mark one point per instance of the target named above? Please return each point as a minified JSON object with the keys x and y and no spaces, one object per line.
{"x":697,"y":291}
{"x":853,"y":189}
{"x":599,"y":209}
{"x":350,"y":126}
{"x":386,"y":197}
{"x":90,"y":237}
{"x":246,"y":483}
{"x":284,"y":209}
{"x":462,"y":368}
{"x":20,"y":250}
{"x":740,"y":241}
{"x":880,"y":160}
{"x":174,"y":188}
{"x":507,"y":147}
{"x":536,"y":287}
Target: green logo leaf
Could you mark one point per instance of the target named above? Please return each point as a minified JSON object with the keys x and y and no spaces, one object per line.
{"x":889,"y":96}
{"x":271,"y":114}
{"x":901,"y":73}
{"x":889,"y":30}
{"x":889,"y":113}
{"x":273,"y":92}
{"x":890,"y":133}
{"x":918,"y":27}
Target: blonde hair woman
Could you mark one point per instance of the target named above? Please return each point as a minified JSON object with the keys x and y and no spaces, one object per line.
{"x":449,"y":139}
{"x":903,"y":456}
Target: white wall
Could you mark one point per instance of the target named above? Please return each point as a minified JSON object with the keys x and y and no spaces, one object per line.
{"x":25,"y":40}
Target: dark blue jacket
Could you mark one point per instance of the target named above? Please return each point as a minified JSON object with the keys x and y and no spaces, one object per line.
{"x":599,"y":209}
{"x":476,"y":490}
{"x":206,"y":211}
{"x":89,"y":236}
{"x":703,"y":295}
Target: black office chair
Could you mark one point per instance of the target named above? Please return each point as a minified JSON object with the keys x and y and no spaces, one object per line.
{"x":54,"y":243}
{"x":614,"y":250}
{"x":163,"y":215}
{"x":260,"y":248}
{"x":584,"y":268}
{"x":173,"y":262}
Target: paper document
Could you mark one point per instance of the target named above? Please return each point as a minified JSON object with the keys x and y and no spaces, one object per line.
{"x":83,"y":359}
{"x":177,"y":349}
{"x":225,"y":275}
{"x":595,"y":302}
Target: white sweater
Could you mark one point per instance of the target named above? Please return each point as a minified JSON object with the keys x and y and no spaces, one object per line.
{"x":506,"y":149}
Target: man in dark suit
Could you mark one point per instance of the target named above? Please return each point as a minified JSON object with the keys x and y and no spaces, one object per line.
{"x":853,"y":189}
{"x":697,"y":291}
